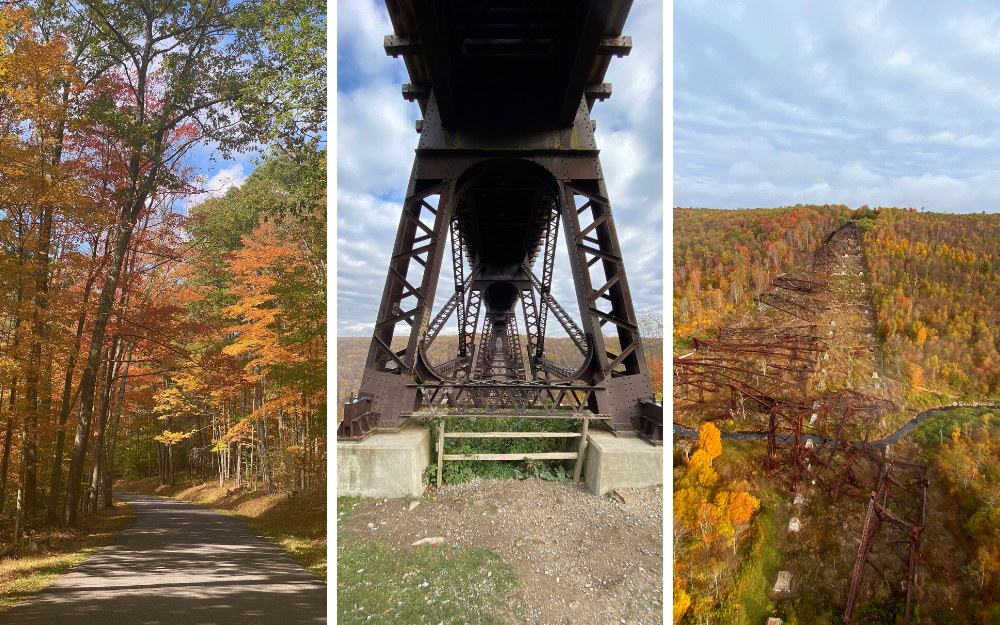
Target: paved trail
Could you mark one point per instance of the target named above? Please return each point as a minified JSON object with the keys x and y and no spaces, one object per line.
{"x":179,"y":564}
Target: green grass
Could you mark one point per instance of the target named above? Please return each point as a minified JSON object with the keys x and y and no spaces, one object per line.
{"x":758,"y":563}
{"x":27,"y":571}
{"x":456,"y":472}
{"x":379,"y":584}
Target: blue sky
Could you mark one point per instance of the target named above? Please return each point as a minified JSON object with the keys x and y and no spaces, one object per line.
{"x":376,"y":138}
{"x":859,"y":102}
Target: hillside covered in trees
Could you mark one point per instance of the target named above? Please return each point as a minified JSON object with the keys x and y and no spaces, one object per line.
{"x":142,"y":332}
{"x":914,"y":310}
{"x":937,"y":298}
{"x":723,"y":259}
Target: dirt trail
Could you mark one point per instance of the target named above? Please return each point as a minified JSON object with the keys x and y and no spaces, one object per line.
{"x":581,"y":559}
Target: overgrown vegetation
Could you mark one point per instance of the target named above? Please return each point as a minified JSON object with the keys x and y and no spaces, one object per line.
{"x":458,"y":471}
{"x":711,"y":517}
{"x":964,"y":446}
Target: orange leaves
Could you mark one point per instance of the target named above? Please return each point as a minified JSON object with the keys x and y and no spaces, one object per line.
{"x":242,"y":432}
{"x":710,"y":440}
{"x":267,"y":272}
{"x":737,"y":507}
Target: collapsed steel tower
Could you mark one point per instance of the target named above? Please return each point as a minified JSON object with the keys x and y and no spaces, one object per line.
{"x":505,"y":160}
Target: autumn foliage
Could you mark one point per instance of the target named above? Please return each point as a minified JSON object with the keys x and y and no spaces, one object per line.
{"x":137,"y":336}
{"x":722,"y":258}
{"x":936,"y":288}
{"x":709,"y":520}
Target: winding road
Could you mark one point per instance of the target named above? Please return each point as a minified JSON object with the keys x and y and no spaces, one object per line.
{"x":892,"y":439}
{"x":179,"y":564}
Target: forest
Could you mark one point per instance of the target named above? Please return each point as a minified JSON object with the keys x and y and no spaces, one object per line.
{"x":722,"y":259}
{"x":930,"y":306}
{"x":147,"y":327}
{"x":936,"y":294}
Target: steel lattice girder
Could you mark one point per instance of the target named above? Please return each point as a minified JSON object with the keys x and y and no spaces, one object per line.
{"x":810,"y":439}
{"x":898,"y":501}
{"x":504,"y":184}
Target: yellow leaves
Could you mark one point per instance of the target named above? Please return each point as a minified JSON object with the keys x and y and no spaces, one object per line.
{"x":682,"y":601}
{"x":956,"y":433}
{"x":170,"y":438}
{"x":241,"y":432}
{"x":296,"y":450}
{"x":699,"y":471}
{"x":686,"y":503}
{"x":710,"y":439}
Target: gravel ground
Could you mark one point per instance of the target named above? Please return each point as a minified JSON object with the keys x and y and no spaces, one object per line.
{"x":582,"y":559}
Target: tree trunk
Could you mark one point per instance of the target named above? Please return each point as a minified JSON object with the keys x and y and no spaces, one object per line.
{"x":64,"y":411}
{"x":102,"y":422}
{"x":89,"y":382}
{"x":118,"y":416}
{"x":5,"y":463}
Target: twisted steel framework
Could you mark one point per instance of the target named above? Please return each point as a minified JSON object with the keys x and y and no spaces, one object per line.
{"x":814,"y":439}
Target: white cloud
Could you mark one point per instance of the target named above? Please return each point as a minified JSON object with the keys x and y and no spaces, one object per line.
{"x":217,"y":186}
{"x":860,"y":102}
{"x":979,"y":34}
{"x":856,"y":175}
{"x":745,"y":169}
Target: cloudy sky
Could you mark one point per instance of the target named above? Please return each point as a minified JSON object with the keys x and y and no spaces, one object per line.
{"x":376,"y":138}
{"x":858,"y":102}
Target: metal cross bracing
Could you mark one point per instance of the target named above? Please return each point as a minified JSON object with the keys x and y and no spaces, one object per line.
{"x":802,"y":299}
{"x":499,"y":188}
{"x":742,"y":361}
{"x":898,"y":503}
{"x":818,"y":440}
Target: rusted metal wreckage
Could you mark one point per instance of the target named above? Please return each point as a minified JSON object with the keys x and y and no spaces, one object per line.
{"x":824,"y":439}
{"x":506,"y":160}
{"x":890,"y":538}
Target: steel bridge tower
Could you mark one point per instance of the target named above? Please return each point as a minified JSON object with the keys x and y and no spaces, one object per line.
{"x":505,"y":166}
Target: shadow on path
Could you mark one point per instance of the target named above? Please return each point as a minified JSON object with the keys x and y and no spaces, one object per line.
{"x":179,"y":564}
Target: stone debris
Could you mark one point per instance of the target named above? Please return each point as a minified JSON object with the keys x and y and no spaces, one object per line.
{"x":783,"y":584}
{"x":623,"y":497}
{"x":793,"y":525}
{"x":430,"y":540}
{"x":413,"y":506}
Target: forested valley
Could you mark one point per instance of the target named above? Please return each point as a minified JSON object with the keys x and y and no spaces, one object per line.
{"x":147,"y":327}
{"x":914,"y":322}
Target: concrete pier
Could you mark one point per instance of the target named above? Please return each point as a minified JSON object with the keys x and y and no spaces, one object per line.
{"x":619,"y":462}
{"x":384,"y":465}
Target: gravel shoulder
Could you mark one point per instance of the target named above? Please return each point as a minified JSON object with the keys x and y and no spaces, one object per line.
{"x":581,"y":559}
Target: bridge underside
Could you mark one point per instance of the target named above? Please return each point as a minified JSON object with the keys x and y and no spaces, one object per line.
{"x":506,"y":163}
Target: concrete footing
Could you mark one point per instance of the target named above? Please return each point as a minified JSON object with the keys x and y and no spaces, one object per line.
{"x":614,"y":462}
{"x":384,"y":465}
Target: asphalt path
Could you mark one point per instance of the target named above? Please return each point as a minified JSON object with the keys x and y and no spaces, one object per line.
{"x":179,"y":564}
